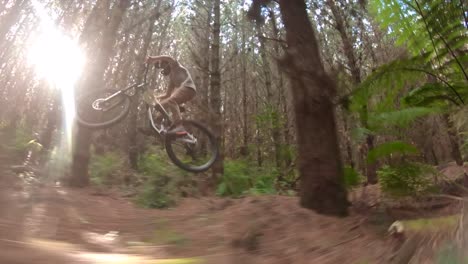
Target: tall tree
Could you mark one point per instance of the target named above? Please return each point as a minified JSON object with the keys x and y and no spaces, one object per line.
{"x":215,"y":88}
{"x":93,"y":79}
{"x":132,"y":129}
{"x":352,"y":61}
{"x":322,"y":188}
{"x":271,"y":105}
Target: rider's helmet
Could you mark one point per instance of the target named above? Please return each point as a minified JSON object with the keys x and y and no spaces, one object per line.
{"x":164,"y":65}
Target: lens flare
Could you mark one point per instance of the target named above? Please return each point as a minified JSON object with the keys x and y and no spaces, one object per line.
{"x":57,"y":58}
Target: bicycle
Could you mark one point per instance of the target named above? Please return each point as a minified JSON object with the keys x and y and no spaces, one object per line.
{"x":104,"y":108}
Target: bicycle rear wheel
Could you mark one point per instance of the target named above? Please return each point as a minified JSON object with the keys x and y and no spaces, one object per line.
{"x":94,"y":111}
{"x":195,"y":152}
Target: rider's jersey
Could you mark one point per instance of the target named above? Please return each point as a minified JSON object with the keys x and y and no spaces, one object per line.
{"x":180,"y":77}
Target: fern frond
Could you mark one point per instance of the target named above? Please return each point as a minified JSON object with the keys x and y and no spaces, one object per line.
{"x":430,"y":95}
{"x":359,"y":134}
{"x":399,"y":118}
{"x":388,"y":149}
{"x":386,"y":83}
{"x":434,"y":27}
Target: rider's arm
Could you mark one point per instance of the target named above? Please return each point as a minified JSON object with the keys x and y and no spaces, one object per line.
{"x":154,"y":59}
{"x":170,"y":89}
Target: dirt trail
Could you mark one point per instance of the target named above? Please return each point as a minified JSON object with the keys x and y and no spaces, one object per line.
{"x":44,"y":223}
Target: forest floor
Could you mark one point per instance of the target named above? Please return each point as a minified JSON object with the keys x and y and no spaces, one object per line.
{"x":46,"y":223}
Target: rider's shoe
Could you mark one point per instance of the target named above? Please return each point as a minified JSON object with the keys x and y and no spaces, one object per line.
{"x":178,"y":130}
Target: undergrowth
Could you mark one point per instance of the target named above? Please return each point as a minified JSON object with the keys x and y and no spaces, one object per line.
{"x":105,"y":169}
{"x":351,"y":177}
{"x":17,"y":142}
{"x":407,"y":178}
{"x":163,"y":183}
{"x":242,"y":178}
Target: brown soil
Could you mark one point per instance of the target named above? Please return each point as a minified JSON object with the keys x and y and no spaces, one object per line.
{"x":52,"y":224}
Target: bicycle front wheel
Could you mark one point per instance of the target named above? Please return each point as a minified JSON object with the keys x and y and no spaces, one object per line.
{"x":102,"y":108}
{"x":194,"y":152}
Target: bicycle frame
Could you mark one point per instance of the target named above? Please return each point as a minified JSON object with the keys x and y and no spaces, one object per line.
{"x":190,"y":138}
{"x":136,"y":86}
{"x":153,"y":124}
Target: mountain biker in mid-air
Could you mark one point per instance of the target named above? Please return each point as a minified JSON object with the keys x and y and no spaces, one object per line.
{"x":181,"y":89}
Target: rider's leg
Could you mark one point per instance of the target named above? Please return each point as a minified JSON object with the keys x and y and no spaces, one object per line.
{"x":179,"y":96}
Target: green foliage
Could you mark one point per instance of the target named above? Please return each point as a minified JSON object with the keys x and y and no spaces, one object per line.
{"x":242,"y":178}
{"x":359,"y":133}
{"x":381,"y":90}
{"x":398,"y":118}
{"x":378,"y":102}
{"x":21,"y":140}
{"x":431,"y":79}
{"x":423,"y":25}
{"x":352,"y":178}
{"x":152,"y":163}
{"x":236,"y":179}
{"x":155,"y":193}
{"x":104,"y":169}
{"x":164,"y":181}
{"x":288,"y":152}
{"x":430,"y":94}
{"x":406,"y":179}
{"x":433,"y":31}
{"x":270,"y":117}
{"x":389,"y":149}
{"x":18,"y":141}
{"x":264,"y":183}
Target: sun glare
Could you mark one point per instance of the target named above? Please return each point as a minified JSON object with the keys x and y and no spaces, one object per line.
{"x":57,"y":58}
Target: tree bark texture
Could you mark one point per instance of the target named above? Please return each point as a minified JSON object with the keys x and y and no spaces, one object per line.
{"x":215,"y":91}
{"x":322,"y":188}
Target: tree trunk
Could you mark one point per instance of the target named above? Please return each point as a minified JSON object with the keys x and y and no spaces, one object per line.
{"x":321,"y":172}
{"x":282,"y":101}
{"x":81,"y":155}
{"x":93,"y":80}
{"x":53,"y":121}
{"x":133,"y":152}
{"x":270,"y":104}
{"x":258,"y":136}
{"x":347,"y":42}
{"x":371,"y":169}
{"x":453,"y":137}
{"x":215,"y":91}
{"x":245,"y":122}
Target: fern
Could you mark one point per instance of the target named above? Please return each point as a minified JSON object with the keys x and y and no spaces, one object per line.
{"x":390,"y":148}
{"x":382,"y":90}
{"x":436,"y":37}
{"x":351,"y":178}
{"x":430,"y":94}
{"x":406,"y":179}
{"x":398,"y":118}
